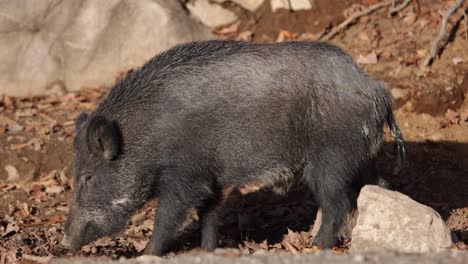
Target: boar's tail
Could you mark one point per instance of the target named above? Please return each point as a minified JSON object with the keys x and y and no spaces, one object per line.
{"x":398,"y":136}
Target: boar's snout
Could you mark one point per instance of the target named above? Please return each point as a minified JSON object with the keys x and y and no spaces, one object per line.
{"x":68,"y":243}
{"x":78,"y":231}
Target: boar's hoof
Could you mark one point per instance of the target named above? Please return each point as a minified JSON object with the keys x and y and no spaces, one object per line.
{"x":149,"y":250}
{"x":325,"y":242}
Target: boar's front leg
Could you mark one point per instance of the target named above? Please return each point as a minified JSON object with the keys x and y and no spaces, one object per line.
{"x":209,"y":223}
{"x":178,"y":193}
{"x":170,"y":214}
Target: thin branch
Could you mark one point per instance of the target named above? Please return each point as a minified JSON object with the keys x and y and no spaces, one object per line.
{"x":466,"y":23}
{"x":443,"y":30}
{"x":355,"y":16}
{"x":395,"y":9}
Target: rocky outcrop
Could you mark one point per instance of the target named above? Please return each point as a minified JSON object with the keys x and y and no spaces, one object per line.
{"x":73,"y":44}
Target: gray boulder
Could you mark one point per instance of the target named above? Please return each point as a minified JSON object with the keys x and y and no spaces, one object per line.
{"x":71,"y":44}
{"x":389,"y":220}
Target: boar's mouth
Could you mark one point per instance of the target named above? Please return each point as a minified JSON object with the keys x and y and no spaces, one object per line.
{"x":70,"y":244}
{"x":78,"y":234}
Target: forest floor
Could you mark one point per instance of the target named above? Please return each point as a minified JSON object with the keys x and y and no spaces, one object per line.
{"x":431,"y":107}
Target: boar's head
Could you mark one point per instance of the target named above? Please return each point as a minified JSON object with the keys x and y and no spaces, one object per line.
{"x":102,"y":200}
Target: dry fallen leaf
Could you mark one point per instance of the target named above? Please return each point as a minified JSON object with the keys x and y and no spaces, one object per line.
{"x":140,"y":245}
{"x":54,"y":189}
{"x":11,"y":227}
{"x":285,"y":35}
{"x":364,"y":36}
{"x":289,"y":247}
{"x":453,"y":116}
{"x":231,"y":29}
{"x":54,"y":220}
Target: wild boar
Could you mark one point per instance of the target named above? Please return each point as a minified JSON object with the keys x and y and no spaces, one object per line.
{"x":207,"y":115}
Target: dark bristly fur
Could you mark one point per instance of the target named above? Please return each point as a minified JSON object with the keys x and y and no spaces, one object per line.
{"x":206,"y":115}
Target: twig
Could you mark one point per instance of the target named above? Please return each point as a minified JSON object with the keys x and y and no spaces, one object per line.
{"x":443,"y":30}
{"x":395,"y":9}
{"x":355,"y":16}
{"x":466,"y":23}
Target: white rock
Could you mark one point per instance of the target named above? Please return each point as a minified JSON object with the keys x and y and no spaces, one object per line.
{"x":399,"y":94}
{"x":85,"y":43}
{"x":389,"y":220}
{"x":297,"y":5}
{"x":12,"y":173}
{"x":279,"y":4}
{"x":294,"y":5}
{"x":211,"y":14}
{"x":251,"y":5}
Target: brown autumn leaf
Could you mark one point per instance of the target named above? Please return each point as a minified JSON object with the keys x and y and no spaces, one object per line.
{"x":140,"y":245}
{"x":452,"y":116}
{"x":253,"y":246}
{"x":56,"y":189}
{"x":464,"y":115}
{"x":10,"y":124}
{"x":289,"y":247}
{"x":54,"y":220}
{"x":12,"y":227}
{"x":245,"y":36}
{"x":11,"y":209}
{"x":285,"y":35}
{"x":231,"y":29}
{"x":363,"y":35}
{"x":354,"y":8}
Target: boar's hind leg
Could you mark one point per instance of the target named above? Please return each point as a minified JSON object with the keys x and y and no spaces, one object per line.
{"x":327,"y":180}
{"x":370,"y":175}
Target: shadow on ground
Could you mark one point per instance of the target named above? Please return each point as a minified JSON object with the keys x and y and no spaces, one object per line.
{"x":435,"y":174}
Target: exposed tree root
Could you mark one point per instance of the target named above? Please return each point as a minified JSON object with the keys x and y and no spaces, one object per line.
{"x":443,"y":30}
{"x":354,"y":17}
{"x":394,"y":9}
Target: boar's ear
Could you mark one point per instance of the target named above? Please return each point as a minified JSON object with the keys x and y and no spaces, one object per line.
{"x":80,"y":120}
{"x":103,"y":137}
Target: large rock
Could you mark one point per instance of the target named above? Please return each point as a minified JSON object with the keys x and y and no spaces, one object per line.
{"x":389,"y":220}
{"x":84,"y":43}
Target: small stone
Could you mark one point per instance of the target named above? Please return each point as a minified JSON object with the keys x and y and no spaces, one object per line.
{"x":436,"y":137}
{"x":297,"y":5}
{"x":399,"y":94}
{"x":370,"y":58}
{"x":294,"y":5}
{"x":457,"y":60}
{"x":391,"y":221}
{"x":13,"y":175}
{"x":251,"y":5}
{"x":211,"y":14}
{"x":279,"y":4}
